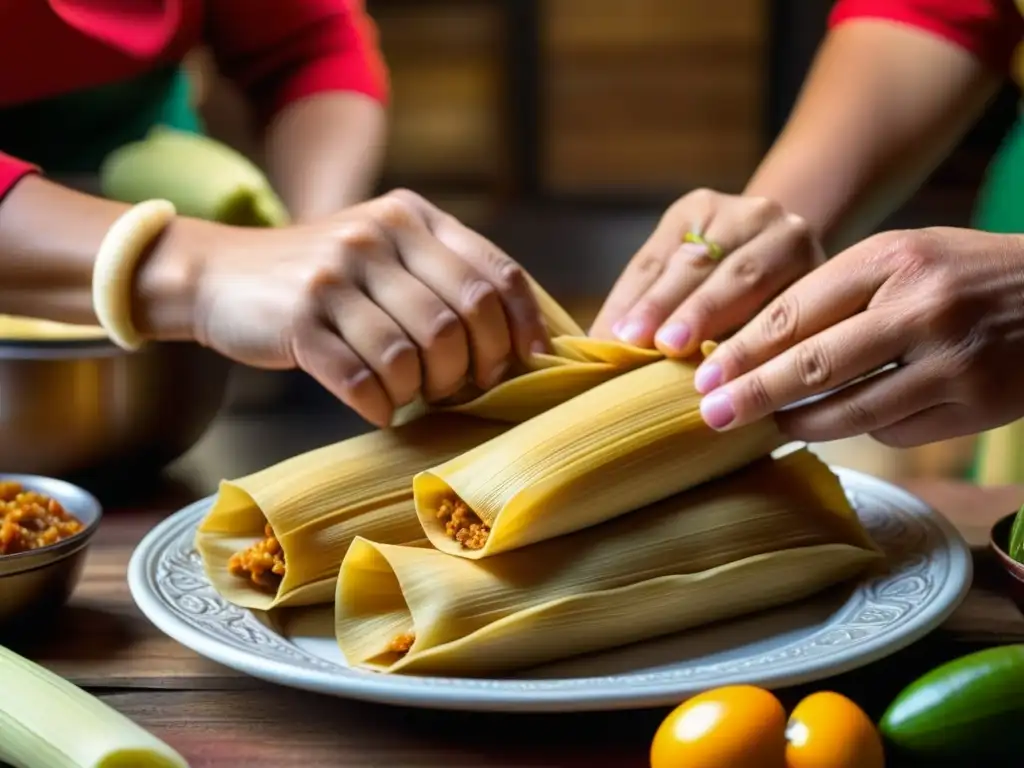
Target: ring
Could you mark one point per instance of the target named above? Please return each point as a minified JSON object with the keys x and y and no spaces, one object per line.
{"x":715,"y":252}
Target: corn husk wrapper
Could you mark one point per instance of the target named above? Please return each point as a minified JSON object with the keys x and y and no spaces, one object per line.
{"x":316,"y":503}
{"x":771,"y":533}
{"x":628,"y":442}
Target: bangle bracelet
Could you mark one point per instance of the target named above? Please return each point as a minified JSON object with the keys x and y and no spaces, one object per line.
{"x":113,"y":273}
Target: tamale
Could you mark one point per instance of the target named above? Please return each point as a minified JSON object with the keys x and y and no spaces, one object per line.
{"x":633,"y":440}
{"x":298,"y":517}
{"x":770,"y":533}
{"x":275,"y":538}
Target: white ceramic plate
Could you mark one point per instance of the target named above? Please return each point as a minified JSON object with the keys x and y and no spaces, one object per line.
{"x":836,"y":632}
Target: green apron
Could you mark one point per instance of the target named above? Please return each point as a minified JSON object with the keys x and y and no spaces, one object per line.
{"x":72,"y":134}
{"x":999,"y":458}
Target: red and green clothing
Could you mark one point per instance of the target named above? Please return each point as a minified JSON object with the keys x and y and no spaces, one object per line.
{"x":993,"y":31}
{"x":78,"y":78}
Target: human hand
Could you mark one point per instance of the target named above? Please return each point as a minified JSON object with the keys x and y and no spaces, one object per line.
{"x":675,"y":294}
{"x":946,"y":305}
{"x":384,"y":302}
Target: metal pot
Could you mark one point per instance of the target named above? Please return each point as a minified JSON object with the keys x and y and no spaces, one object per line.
{"x":88,"y":406}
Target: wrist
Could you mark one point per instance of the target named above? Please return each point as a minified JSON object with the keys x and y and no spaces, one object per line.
{"x":166,"y":283}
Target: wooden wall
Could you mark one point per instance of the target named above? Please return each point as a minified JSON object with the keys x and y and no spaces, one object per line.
{"x":641,"y":97}
{"x":652,"y":94}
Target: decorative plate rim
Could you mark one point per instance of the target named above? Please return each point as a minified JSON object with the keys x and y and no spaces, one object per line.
{"x":250,"y":639}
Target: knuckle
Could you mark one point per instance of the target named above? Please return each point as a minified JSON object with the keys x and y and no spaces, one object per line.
{"x":702,"y":307}
{"x":734,"y":355}
{"x":813,"y":365}
{"x":407,"y":196}
{"x":319,"y":279}
{"x":360,"y":236}
{"x":396,"y":211}
{"x":766,"y":207}
{"x":800,"y":234}
{"x":964,"y":367}
{"x":651,"y":308}
{"x":779,"y":323}
{"x":798,"y":225}
{"x":914,"y":252}
{"x":511,"y":276}
{"x":857,"y":418}
{"x":701,"y":196}
{"x":647,"y":264}
{"x":756,"y":395}
{"x":747,"y":271}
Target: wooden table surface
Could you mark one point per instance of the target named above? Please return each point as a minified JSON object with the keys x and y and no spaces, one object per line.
{"x":219,"y":718}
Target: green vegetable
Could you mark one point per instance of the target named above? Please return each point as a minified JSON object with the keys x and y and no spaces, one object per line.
{"x":970,"y":707}
{"x":202,"y":177}
{"x":1015,"y":548}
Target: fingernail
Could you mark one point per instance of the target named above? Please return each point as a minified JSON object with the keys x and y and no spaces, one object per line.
{"x":675,"y":336}
{"x":358,"y":378}
{"x":707,"y":377}
{"x":538,"y":347}
{"x":496,"y":374}
{"x":630,"y":331}
{"x":717,"y":410}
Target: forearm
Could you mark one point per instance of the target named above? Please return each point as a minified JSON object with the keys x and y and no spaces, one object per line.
{"x":49,"y":238}
{"x":324,"y":152}
{"x":883,"y":106}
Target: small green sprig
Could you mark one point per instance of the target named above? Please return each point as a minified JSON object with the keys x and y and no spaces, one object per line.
{"x":1016,"y":547}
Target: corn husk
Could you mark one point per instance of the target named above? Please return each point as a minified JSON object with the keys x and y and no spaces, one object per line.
{"x":628,"y":442}
{"x":316,"y":503}
{"x":772,"y":533}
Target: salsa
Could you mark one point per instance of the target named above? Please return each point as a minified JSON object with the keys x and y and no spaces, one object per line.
{"x":31,"y":520}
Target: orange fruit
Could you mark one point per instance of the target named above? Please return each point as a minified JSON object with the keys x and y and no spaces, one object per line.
{"x":738,"y":726}
{"x":827,"y":730}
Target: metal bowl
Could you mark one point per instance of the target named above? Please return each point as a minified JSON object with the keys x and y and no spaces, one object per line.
{"x":34,"y":584}
{"x":88,"y":406}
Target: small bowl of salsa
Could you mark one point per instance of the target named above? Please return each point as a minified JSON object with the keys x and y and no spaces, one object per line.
{"x":45,"y":527}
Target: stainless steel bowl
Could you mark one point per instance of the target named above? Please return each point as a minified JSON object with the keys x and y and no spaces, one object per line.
{"x":34,"y":584}
{"x":88,"y":406}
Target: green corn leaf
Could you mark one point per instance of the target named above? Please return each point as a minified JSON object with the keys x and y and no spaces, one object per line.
{"x":1016,"y":547}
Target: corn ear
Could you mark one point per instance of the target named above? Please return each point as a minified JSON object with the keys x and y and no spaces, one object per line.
{"x":203,"y":178}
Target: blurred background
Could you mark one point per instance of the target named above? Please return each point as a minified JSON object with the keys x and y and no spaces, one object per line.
{"x":562,"y":129}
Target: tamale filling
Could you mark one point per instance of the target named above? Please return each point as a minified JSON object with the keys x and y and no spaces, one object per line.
{"x":262,"y":563}
{"x":402,"y":643}
{"x":463,"y":524}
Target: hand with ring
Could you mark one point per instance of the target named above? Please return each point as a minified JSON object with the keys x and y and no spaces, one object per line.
{"x":711,"y":264}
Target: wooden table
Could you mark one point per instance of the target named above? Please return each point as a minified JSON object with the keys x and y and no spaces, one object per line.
{"x":221,"y":719}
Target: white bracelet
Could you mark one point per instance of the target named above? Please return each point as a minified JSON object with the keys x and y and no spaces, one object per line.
{"x":114,"y":270}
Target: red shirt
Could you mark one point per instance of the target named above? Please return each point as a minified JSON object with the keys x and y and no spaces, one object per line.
{"x":276,"y":51}
{"x":990,"y":29}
